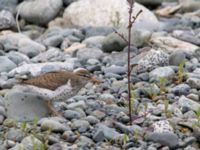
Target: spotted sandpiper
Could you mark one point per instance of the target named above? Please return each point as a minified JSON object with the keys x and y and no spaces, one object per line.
{"x":57,"y":86}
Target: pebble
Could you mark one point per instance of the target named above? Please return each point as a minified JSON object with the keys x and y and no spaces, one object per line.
{"x":80,"y":125}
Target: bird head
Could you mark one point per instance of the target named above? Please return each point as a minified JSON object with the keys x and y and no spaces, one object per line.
{"x":84,"y":73}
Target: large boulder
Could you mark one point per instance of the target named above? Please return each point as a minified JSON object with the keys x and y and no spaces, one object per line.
{"x":39,"y":12}
{"x":108,"y":13}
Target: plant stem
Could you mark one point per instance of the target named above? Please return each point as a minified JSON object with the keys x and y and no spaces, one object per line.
{"x":131,"y":3}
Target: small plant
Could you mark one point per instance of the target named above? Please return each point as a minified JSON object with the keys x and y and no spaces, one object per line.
{"x":152,"y":92}
{"x":131,"y":21}
{"x":166,"y":109}
{"x":125,"y":139}
{"x":198,"y":116}
{"x":162,"y":84}
{"x":181,"y":71}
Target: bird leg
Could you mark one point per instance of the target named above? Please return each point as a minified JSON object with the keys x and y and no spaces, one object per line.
{"x":53,"y":110}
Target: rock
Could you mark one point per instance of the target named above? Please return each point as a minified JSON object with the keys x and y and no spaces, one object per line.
{"x":51,"y":55}
{"x":181,"y":89}
{"x":166,"y":139}
{"x":190,"y":5}
{"x":78,"y":14}
{"x":176,"y":58}
{"x":193,"y":96}
{"x":94,"y":41}
{"x":193,"y":82}
{"x":113,"y":42}
{"x":31,"y":142}
{"x":184,"y":102}
{"x":38,"y":68}
{"x":53,"y":40}
{"x":30,"y":48}
{"x":18,"y":41}
{"x":161,"y":72}
{"x":172,"y":44}
{"x":6,"y":64}
{"x":14,"y":135}
{"x":79,"y":104}
{"x":80,"y":125}
{"x":39,"y":12}
{"x":71,"y":114}
{"x":149,"y":60}
{"x":97,"y":31}
{"x":88,"y":53}
{"x":6,"y":20}
{"x":24,"y":106}
{"x":69,"y":136}
{"x":103,"y":132}
{"x":17,"y":57}
{"x":9,"y":5}
{"x":2,"y":111}
{"x":53,"y":125}
{"x":92,"y":120}
{"x":84,"y":141}
{"x":1,"y":119}
{"x":115,"y":69}
{"x":162,"y":126}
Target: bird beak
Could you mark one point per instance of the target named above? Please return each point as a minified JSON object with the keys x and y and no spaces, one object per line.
{"x":95,"y":80}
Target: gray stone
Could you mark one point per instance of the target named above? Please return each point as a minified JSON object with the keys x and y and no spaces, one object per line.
{"x":14,"y":135}
{"x":39,"y":12}
{"x":194,"y":83}
{"x":2,"y":111}
{"x":181,"y":89}
{"x":92,"y":120}
{"x":166,"y":139}
{"x":1,"y":119}
{"x":6,"y":64}
{"x":9,"y":5}
{"x":52,"y":54}
{"x":79,"y":14}
{"x":17,"y":57}
{"x":53,"y":40}
{"x":177,"y":57}
{"x":190,"y":5}
{"x":95,"y":41}
{"x":79,"y":104}
{"x":30,"y":48}
{"x":24,"y":106}
{"x":165,"y":72}
{"x":188,"y":103}
{"x":149,"y":60}
{"x":115,"y":69}
{"x":81,"y":125}
{"x":6,"y":20}
{"x":31,"y":142}
{"x":53,"y":125}
{"x":38,"y":68}
{"x":103,"y":132}
{"x":113,"y":42}
{"x":88,"y":53}
{"x":97,"y":31}
{"x":84,"y":141}
{"x":71,"y":114}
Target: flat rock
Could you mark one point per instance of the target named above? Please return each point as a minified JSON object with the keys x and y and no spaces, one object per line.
{"x":88,"y":53}
{"x":22,"y":106}
{"x":166,"y":139}
{"x":188,"y":103}
{"x":39,"y":12}
{"x":165,"y":72}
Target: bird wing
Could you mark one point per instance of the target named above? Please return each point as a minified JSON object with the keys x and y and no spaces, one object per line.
{"x":51,"y":80}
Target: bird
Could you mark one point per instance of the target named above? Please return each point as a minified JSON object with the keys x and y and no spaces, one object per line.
{"x":57,"y":85}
